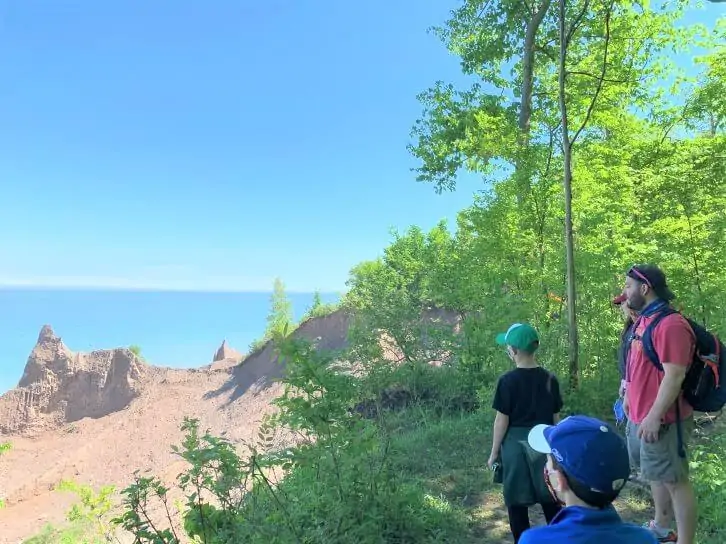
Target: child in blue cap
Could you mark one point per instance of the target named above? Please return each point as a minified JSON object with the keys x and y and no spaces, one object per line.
{"x":587,"y":468}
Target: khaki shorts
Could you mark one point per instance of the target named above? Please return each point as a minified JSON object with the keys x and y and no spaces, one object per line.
{"x":659,"y":461}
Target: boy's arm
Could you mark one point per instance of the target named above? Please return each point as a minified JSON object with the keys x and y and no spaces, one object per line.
{"x":502,"y":405}
{"x":501,"y":423}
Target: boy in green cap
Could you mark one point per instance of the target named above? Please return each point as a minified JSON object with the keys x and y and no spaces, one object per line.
{"x":526,"y":396}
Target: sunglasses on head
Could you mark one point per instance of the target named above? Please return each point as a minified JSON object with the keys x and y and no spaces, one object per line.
{"x":639,"y":275}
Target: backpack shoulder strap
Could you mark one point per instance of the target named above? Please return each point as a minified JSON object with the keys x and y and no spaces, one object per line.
{"x":647,"y":339}
{"x":627,"y":339}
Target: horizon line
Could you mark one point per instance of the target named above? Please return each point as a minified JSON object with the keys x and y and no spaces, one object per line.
{"x":161,"y":289}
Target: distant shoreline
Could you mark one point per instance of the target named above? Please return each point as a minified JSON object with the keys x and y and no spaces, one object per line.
{"x":73,"y":289}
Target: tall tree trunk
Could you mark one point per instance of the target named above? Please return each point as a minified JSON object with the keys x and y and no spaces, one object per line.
{"x":522,"y":172}
{"x":567,"y":183}
{"x":525,"y":111}
{"x":567,"y":145}
{"x":534,"y":21}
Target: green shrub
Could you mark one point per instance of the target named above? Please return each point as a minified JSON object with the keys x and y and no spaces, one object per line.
{"x":88,"y":520}
{"x":341,"y":484}
{"x":136,"y":350}
{"x":708,"y":470}
{"x":4,"y":446}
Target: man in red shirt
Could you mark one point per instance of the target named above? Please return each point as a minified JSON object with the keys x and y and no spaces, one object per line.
{"x":650,"y":404}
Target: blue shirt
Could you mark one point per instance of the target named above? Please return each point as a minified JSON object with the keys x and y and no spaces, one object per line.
{"x":580,"y":525}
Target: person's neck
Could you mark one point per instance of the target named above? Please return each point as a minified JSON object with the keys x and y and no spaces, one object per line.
{"x":526,"y":362}
{"x":573,"y":500}
{"x":650,"y":300}
{"x":651,"y":305}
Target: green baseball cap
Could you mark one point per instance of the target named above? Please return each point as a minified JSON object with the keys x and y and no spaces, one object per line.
{"x":519,"y":335}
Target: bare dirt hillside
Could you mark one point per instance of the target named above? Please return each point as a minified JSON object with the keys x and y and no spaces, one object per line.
{"x":96,"y":417}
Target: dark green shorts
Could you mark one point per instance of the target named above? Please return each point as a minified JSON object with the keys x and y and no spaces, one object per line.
{"x":659,"y":461}
{"x":523,"y":471}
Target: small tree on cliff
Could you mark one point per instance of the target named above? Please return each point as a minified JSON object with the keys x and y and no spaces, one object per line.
{"x":136,"y":350}
{"x":317,"y":303}
{"x":279,"y":320}
{"x":4,"y":446}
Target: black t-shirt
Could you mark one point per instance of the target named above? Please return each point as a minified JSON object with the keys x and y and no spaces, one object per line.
{"x":529,"y":396}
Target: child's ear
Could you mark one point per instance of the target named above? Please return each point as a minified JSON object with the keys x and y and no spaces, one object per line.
{"x":561,"y":484}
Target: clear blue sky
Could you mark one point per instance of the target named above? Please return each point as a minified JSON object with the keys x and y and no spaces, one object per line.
{"x":215,"y":145}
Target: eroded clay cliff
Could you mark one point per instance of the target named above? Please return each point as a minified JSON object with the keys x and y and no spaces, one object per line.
{"x":60,"y":386}
{"x":227,"y":353}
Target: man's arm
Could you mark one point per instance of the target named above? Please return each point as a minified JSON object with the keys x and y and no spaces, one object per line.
{"x":669,"y":389}
{"x":501,"y":423}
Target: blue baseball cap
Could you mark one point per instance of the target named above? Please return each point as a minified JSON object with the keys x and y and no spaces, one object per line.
{"x":588,"y":450}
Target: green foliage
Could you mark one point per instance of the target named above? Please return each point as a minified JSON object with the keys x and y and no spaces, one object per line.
{"x":706,"y":110}
{"x":88,"y":520}
{"x":708,"y":468}
{"x":93,"y":507}
{"x":505,"y":262}
{"x":509,"y":124}
{"x":318,"y":308}
{"x":279,"y":320}
{"x":136,"y":350}
{"x":4,"y":447}
{"x":257,"y":345}
{"x":635,"y":148}
{"x":648,"y":180}
{"x":342,"y":484}
{"x":137,"y":518}
{"x":68,"y":535}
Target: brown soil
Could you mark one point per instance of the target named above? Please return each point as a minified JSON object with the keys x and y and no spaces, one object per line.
{"x":130,"y":422}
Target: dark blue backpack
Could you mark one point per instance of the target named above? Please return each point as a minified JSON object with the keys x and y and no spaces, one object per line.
{"x":702,"y":386}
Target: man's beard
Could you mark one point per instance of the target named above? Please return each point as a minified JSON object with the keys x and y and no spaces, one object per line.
{"x":636,"y":302}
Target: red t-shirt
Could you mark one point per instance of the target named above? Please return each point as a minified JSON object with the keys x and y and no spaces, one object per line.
{"x":674,"y":342}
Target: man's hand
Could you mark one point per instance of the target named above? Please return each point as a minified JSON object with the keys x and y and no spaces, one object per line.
{"x":492,"y":459}
{"x":649,"y":428}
